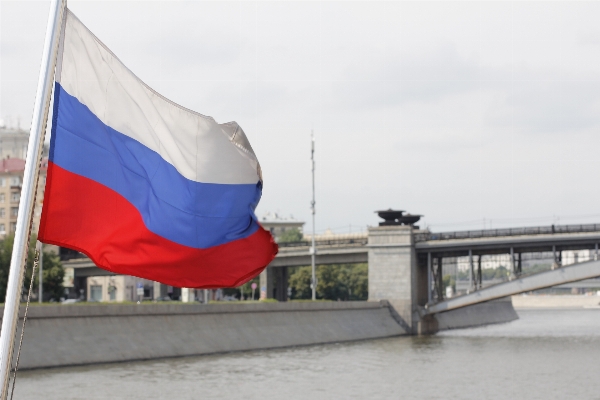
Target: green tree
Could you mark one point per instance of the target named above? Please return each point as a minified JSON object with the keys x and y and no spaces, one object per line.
{"x":299,"y":281}
{"x":329,"y":286}
{"x":5,"y":256}
{"x":449,"y":280}
{"x":53,"y":270}
{"x":334,"y":282}
{"x":53,"y":276}
{"x":358,"y":282}
{"x":534,"y":269}
{"x":290,"y":235}
{"x":246,"y":288}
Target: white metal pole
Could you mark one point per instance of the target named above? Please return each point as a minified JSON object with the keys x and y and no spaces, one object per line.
{"x":39,"y":248}
{"x":313,"y":279}
{"x":30,"y":177}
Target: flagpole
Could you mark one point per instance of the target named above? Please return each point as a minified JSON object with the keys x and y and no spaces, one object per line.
{"x":30,"y":177}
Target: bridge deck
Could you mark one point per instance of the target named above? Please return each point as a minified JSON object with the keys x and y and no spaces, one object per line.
{"x":354,"y":248}
{"x":502,"y":244}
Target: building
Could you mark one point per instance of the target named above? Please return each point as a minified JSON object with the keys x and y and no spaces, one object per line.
{"x":13,"y":151}
{"x":569,"y":257}
{"x":487,"y":262}
{"x":13,"y":143}
{"x":116,"y":288}
{"x":11,"y":181}
{"x":278,"y":224}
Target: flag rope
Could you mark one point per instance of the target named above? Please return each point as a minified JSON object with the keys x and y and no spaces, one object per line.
{"x":36,"y":261}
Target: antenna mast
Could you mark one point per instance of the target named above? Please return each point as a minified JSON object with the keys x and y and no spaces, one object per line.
{"x":313,"y":249}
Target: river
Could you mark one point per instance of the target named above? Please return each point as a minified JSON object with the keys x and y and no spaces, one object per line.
{"x":546,"y":354}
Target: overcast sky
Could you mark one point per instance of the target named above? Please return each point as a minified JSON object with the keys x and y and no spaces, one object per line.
{"x":469,"y":113}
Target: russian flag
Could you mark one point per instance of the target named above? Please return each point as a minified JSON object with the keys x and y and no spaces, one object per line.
{"x":143,"y":186}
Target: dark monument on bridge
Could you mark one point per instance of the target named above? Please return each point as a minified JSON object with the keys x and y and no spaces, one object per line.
{"x":396,"y":217}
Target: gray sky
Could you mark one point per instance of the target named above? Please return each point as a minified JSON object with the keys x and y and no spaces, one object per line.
{"x":463,"y":112}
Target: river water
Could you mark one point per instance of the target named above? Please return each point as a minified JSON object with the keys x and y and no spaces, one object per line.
{"x":546,"y":354}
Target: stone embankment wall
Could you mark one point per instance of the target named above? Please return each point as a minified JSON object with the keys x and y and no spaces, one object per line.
{"x":491,"y":312}
{"x":89,"y":334}
{"x":63,"y":335}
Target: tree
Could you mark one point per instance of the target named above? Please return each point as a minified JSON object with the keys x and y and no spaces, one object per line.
{"x":449,"y":280}
{"x":53,"y":277}
{"x":53,"y":270}
{"x":246,"y":288}
{"x":5,"y":256}
{"x":359,"y":282}
{"x":290,"y":235}
{"x":334,"y":282}
{"x":299,"y":281}
{"x":329,"y":286}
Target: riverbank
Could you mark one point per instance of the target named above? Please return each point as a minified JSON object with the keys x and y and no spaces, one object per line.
{"x":65,"y":335}
{"x":555,"y":301}
{"x":80,"y":334}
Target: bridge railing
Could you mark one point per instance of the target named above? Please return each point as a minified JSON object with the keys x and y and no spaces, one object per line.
{"x":337,"y":242}
{"x":484,"y":233}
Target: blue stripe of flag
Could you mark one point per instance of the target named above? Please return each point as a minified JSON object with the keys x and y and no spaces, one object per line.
{"x":190,"y":213}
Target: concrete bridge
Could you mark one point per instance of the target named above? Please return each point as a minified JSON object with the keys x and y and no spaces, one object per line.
{"x":405,"y":264}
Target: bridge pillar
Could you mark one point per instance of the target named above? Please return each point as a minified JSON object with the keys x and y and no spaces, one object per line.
{"x":159,"y":291}
{"x":281,"y":284}
{"x":393,"y":272}
{"x":479,"y":275}
{"x":274,"y":283}
{"x":266,"y":284}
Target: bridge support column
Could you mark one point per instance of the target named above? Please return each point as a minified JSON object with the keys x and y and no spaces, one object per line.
{"x":266,"y":283}
{"x":472,"y":279}
{"x":440,"y":279}
{"x":429,"y":279}
{"x":479,"y":275}
{"x":393,"y":272}
{"x":281,"y":284}
{"x":159,"y":291}
{"x":513,"y":270}
{"x":557,"y":258}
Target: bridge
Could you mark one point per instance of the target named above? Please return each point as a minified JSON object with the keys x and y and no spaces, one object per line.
{"x":422,"y":255}
{"x":434,"y":248}
{"x":354,"y":248}
{"x":406,"y":264}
